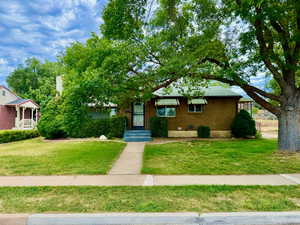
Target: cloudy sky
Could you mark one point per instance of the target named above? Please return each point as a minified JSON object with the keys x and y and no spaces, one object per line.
{"x":43,"y":28}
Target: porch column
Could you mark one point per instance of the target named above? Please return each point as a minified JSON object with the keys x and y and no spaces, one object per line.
{"x":31,"y":122}
{"x":17,"y":120}
{"x":23,"y":116}
{"x":36,"y":115}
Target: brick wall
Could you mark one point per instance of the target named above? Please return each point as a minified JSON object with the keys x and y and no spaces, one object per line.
{"x":7,"y":117}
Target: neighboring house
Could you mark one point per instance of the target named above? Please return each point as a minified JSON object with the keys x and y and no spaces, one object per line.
{"x":15,"y":112}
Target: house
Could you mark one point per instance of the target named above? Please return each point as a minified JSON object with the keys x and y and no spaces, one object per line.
{"x":216,"y":108}
{"x":15,"y":112}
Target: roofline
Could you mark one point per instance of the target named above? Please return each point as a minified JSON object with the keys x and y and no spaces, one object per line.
{"x":28,"y":100}
{"x":215,"y":96}
{"x":6,"y":88}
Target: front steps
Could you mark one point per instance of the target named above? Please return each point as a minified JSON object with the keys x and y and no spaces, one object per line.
{"x":137,"y":136}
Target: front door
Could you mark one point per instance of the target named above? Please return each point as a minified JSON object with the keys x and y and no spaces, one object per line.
{"x":138,"y":115}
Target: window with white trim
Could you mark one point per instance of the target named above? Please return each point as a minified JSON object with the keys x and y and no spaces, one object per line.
{"x":195,"y":108}
{"x":166,"y":111}
{"x":3,"y":93}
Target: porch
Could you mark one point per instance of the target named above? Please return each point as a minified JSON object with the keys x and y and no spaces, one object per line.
{"x":26,"y":114}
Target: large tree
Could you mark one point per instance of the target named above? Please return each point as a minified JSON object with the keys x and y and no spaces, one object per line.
{"x":232,"y":41}
{"x":35,"y":80}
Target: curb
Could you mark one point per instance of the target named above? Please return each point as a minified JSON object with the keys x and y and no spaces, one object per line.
{"x":247,"y":218}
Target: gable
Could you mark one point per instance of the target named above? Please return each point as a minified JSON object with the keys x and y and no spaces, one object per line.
{"x":6,"y":95}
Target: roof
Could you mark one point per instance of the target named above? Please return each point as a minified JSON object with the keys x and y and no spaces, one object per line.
{"x":21,"y":101}
{"x":246,"y":100}
{"x":17,"y":102}
{"x":215,"y":91}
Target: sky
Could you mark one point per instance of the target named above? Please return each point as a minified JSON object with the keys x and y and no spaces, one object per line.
{"x":43,"y":28}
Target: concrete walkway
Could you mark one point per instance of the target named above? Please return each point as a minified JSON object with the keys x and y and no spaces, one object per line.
{"x":149,"y":180}
{"x":130,"y":161}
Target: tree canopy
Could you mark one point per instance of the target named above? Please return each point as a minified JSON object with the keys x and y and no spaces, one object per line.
{"x":34,"y":80}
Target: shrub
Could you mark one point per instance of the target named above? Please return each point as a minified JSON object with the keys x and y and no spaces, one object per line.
{"x":17,"y":135}
{"x":110,"y":127}
{"x":243,"y":125}
{"x":159,"y":126}
{"x":203,"y":132}
{"x":117,"y":126}
{"x":50,"y":124}
{"x":95,"y":128}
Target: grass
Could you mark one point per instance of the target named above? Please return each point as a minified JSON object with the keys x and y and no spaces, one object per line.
{"x":36,"y":157}
{"x":219,"y":157}
{"x":149,"y":199}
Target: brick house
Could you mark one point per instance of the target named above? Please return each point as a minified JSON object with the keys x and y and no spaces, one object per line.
{"x":15,"y":112}
{"x":216,"y":109}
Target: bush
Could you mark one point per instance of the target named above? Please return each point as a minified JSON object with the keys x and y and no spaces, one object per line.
{"x":243,"y":125}
{"x":203,"y":132}
{"x":110,"y":127}
{"x":17,"y":135}
{"x":50,"y":124}
{"x":118,"y":125}
{"x":159,"y":126}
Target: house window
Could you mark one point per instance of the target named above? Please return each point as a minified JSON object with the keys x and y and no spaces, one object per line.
{"x":113,"y":112}
{"x":195,"y":108}
{"x":166,"y":111}
{"x":3,"y":93}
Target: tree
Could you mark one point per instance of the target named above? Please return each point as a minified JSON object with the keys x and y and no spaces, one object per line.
{"x":232,"y":41}
{"x":35,"y":80}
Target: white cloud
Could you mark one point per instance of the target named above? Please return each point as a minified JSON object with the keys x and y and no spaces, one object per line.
{"x":58,"y":23}
{"x":3,"y":61}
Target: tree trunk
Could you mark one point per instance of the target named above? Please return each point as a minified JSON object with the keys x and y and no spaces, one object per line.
{"x":289,"y":128}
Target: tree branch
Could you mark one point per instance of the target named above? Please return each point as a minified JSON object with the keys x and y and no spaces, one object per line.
{"x":165,"y":84}
{"x":264,"y":50}
{"x":244,"y":85}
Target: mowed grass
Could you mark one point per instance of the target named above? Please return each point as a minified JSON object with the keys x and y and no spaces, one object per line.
{"x":219,"y":157}
{"x":37,"y":157}
{"x":149,"y":199}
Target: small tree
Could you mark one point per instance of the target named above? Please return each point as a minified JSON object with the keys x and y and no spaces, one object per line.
{"x":243,"y":125}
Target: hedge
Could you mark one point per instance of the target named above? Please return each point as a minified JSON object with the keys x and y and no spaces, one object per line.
{"x":17,"y":135}
{"x":159,"y":126}
{"x":203,"y":132}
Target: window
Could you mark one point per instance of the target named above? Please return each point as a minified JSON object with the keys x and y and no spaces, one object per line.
{"x":113,"y":112}
{"x":165,"y":111}
{"x":195,"y":108}
{"x":3,"y":93}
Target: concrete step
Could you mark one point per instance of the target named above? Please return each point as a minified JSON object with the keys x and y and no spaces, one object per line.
{"x":138,"y":139}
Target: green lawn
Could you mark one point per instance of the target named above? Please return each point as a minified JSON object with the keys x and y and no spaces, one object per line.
{"x":36,"y":157}
{"x":149,"y":199}
{"x":219,"y":157}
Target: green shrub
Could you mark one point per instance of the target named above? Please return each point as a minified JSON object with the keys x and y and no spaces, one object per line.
{"x":243,"y":125}
{"x":17,"y":135}
{"x":110,"y":127}
{"x":203,"y":132}
{"x":159,"y":126}
{"x":118,"y":125}
{"x":50,"y":124}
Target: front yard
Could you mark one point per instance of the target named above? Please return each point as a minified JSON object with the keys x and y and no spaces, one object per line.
{"x":37,"y":157}
{"x":149,"y":199}
{"x":219,"y":157}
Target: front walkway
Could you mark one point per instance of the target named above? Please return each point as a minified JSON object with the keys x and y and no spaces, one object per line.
{"x":130,"y":161}
{"x":149,"y":180}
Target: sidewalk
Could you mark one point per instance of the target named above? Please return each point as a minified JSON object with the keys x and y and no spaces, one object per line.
{"x":130,"y":161}
{"x":237,"y":218}
{"x":149,"y":180}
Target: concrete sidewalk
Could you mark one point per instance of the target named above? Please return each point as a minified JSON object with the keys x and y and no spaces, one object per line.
{"x":130,"y":161}
{"x":149,"y":180}
{"x":258,"y":218}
